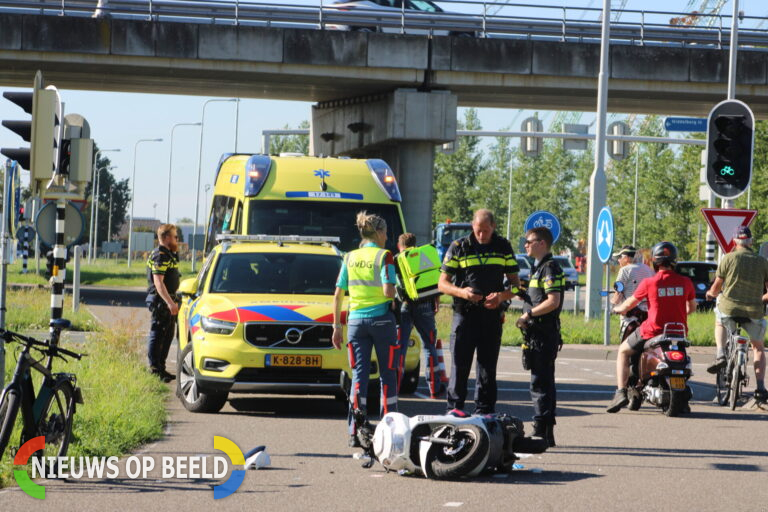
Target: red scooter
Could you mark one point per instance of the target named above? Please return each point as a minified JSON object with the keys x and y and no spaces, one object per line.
{"x":661,"y":375}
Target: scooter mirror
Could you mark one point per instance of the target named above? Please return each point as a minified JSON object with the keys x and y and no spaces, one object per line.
{"x":618,"y":286}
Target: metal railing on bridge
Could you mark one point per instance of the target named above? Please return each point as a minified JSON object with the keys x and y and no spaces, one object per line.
{"x":480,"y":19}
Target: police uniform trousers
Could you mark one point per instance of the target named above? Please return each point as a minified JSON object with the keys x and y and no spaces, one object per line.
{"x":475,"y":329}
{"x":544,"y":340}
{"x":162,"y":329}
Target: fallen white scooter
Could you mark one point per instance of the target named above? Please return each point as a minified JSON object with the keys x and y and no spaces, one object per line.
{"x":445,"y":447}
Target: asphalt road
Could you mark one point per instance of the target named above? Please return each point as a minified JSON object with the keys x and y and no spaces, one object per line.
{"x":711,"y":459}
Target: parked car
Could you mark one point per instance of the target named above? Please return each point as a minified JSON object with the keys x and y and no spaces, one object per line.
{"x":389,"y":12}
{"x":525,"y":270}
{"x":571,"y":276}
{"x":446,"y":232}
{"x":702,"y":273}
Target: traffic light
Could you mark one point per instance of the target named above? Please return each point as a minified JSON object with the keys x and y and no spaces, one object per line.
{"x":730,"y":142}
{"x":42,"y":131}
{"x":64,"y":156}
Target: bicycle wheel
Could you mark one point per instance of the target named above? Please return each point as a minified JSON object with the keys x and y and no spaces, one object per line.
{"x":722,"y":386}
{"x":56,"y":422}
{"x":9,"y":409}
{"x":735,"y":385}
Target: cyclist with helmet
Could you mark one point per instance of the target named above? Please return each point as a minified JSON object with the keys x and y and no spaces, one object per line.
{"x":671,"y":298}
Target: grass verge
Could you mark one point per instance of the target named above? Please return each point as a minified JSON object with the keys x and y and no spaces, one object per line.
{"x":576,"y":330}
{"x":124,"y":405}
{"x":100,"y":272}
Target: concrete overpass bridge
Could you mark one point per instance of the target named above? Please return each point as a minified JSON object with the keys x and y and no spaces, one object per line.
{"x":377,"y":94}
{"x":135,"y":55}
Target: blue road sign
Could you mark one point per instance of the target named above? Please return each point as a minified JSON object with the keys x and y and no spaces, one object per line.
{"x":685,"y":124}
{"x":604,"y":234}
{"x":544,"y":219}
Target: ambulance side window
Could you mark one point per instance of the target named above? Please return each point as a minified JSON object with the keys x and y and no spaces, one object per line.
{"x":238,"y":224}
{"x":220,"y":220}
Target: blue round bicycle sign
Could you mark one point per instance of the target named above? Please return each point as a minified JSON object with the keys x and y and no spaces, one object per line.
{"x":604,"y":234}
{"x":544,"y":219}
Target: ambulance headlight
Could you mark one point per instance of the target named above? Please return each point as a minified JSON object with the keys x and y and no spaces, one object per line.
{"x":215,"y":326}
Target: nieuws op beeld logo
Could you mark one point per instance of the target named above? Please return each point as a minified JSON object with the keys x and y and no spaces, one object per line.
{"x":136,"y":467}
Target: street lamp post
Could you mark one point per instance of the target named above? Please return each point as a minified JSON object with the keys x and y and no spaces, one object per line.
{"x":199,"y":172}
{"x":109,"y":222}
{"x":133,"y":194}
{"x":92,"y":227}
{"x":170,"y":168}
{"x":96,"y":203}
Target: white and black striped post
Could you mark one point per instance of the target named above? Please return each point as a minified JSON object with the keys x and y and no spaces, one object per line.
{"x":59,"y":261}
{"x":25,"y":250}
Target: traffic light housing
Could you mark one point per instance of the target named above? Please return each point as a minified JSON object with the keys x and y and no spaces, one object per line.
{"x":730,"y":145}
{"x":42,"y":131}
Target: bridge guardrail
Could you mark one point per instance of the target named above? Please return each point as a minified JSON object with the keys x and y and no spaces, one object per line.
{"x":643,"y":27}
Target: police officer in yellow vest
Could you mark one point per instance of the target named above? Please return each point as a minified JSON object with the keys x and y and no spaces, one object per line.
{"x":473,"y":273}
{"x":368,"y":274}
{"x":418,"y":271}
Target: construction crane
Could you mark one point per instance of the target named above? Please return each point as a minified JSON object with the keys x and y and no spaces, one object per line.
{"x":707,"y":10}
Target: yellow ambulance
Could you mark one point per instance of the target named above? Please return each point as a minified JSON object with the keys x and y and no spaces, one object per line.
{"x":305,"y":196}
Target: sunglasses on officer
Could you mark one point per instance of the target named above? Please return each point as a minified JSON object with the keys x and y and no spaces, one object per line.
{"x":533,"y":240}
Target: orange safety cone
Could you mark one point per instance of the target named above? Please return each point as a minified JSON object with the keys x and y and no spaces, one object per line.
{"x":441,"y":362}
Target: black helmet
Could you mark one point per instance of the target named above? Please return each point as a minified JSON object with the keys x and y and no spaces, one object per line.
{"x":664,"y":253}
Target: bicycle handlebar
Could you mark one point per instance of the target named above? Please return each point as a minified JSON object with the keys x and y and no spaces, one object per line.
{"x":11,"y":336}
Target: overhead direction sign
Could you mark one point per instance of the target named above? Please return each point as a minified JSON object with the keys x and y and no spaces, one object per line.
{"x":544,"y":219}
{"x":724,"y":224}
{"x":604,"y":234}
{"x":685,"y":124}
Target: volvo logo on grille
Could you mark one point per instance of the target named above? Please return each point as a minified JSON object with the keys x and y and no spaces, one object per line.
{"x":293,"y":335}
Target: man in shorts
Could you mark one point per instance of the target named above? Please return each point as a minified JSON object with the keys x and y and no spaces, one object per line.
{"x":742,"y":277}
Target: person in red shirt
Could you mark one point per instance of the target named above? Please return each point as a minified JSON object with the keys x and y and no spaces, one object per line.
{"x":671,"y":298}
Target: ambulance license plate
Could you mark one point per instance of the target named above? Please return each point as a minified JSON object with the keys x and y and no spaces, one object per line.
{"x":294,"y":360}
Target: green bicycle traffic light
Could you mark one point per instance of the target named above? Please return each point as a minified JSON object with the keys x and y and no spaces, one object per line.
{"x":730,"y":141}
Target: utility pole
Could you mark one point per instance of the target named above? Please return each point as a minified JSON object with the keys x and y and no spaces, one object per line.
{"x":597,"y":182}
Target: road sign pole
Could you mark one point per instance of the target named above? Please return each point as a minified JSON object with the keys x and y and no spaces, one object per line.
{"x":607,"y":319}
{"x":4,"y":266}
{"x":597,"y":191}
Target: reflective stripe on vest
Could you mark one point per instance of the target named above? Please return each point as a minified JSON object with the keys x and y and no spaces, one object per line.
{"x":364,"y":267}
{"x":420,"y":270}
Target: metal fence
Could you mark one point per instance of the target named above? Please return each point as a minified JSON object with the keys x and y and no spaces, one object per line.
{"x":462,"y":17}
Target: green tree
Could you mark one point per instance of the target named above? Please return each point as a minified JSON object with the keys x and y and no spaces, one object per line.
{"x":455,"y":175}
{"x":290,"y":143}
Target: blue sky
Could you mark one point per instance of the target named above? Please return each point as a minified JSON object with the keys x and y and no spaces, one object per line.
{"x":118,"y":120}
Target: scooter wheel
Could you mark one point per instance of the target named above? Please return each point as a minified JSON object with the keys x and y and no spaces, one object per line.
{"x":469,"y":450}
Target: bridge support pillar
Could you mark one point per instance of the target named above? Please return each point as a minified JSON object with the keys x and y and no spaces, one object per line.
{"x":401,"y":128}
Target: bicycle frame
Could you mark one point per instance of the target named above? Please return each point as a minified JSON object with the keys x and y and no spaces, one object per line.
{"x":31,"y":403}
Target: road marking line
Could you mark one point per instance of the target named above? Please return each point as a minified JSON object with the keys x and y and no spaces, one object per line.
{"x":454,"y":504}
{"x":559,"y":391}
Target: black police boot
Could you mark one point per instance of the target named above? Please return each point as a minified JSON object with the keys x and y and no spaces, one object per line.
{"x":539,"y":429}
